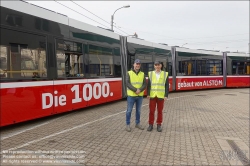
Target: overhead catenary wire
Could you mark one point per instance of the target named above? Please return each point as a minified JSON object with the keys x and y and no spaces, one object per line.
{"x":89,"y":11}
{"x":80,"y":13}
{"x":98,"y":16}
{"x":90,"y":18}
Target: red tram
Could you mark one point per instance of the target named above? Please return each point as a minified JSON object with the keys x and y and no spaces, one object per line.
{"x":51,"y":64}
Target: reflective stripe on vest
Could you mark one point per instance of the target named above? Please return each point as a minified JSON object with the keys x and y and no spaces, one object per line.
{"x":136,"y":81}
{"x":157,"y":86}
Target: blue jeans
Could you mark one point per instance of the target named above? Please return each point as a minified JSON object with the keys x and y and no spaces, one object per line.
{"x":130,"y":103}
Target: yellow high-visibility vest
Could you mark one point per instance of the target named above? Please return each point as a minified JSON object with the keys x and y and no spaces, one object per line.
{"x":157,"y":87}
{"x":136,"y":81}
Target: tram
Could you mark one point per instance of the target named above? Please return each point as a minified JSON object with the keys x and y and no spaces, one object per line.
{"x":51,"y":64}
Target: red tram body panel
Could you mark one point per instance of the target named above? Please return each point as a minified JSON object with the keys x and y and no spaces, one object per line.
{"x":30,"y":100}
{"x":238,"y":81}
{"x":198,"y":82}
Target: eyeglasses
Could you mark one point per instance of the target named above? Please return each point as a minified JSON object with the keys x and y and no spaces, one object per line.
{"x":137,"y":63}
{"x":157,"y":64}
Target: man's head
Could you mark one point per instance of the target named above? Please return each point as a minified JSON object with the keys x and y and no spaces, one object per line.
{"x":157,"y":65}
{"x":137,"y":64}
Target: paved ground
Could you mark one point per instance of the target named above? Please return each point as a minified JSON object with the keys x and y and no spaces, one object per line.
{"x":200,"y":128}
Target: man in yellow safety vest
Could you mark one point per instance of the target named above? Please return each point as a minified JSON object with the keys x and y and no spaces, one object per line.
{"x":136,"y":84}
{"x":157,"y":92}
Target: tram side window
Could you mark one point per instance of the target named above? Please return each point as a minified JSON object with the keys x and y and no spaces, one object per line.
{"x":146,"y":63}
{"x":19,"y":61}
{"x":214,"y":67}
{"x":3,"y":61}
{"x":69,"y":59}
{"x":186,"y":67}
{"x":23,"y":55}
{"x":100,"y":62}
{"x":69,"y":64}
{"x":200,"y":67}
{"x":240,"y":67}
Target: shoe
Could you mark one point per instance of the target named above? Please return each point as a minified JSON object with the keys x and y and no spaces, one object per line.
{"x":150,"y":127}
{"x":128,"y":128}
{"x":159,"y":129}
{"x":139,"y":127}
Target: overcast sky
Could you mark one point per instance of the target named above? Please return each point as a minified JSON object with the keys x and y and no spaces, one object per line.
{"x":213,"y":25}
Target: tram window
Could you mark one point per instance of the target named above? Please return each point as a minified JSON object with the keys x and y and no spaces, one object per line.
{"x":146,"y":67}
{"x":240,"y":67}
{"x":146,"y":62}
{"x":69,"y":64}
{"x":3,"y":62}
{"x":22,"y":55}
{"x":14,"y":20}
{"x":187,"y":67}
{"x":60,"y":61}
{"x":33,"y":63}
{"x":100,"y":61}
{"x":214,"y":67}
{"x":69,"y":59}
{"x":42,"y":24}
{"x":19,"y":62}
{"x":200,"y":67}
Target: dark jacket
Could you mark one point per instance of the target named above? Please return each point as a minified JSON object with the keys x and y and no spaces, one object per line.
{"x":166,"y":87}
{"x":131,"y":87}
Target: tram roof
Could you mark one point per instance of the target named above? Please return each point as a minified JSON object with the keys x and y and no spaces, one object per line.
{"x":187,"y":50}
{"x":238,"y":54}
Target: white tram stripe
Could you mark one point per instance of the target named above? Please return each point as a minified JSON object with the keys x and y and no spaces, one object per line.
{"x":56,"y":82}
{"x":237,"y":76}
{"x":25,"y":84}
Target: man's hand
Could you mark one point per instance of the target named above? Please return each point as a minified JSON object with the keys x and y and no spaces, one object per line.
{"x":165,"y":98}
{"x":148,"y":97}
{"x":138,"y":91}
